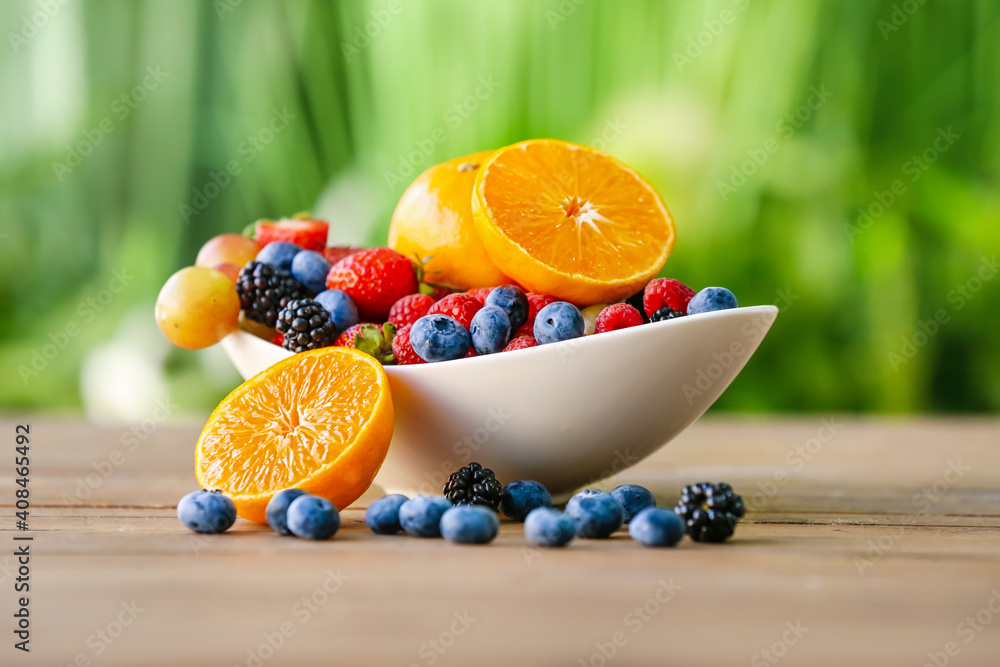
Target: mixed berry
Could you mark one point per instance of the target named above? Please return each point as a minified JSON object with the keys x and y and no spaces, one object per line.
{"x":467,"y":512}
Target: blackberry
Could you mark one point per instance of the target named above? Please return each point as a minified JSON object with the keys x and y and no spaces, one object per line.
{"x":636,"y":302}
{"x":710,"y":511}
{"x":264,"y":291}
{"x":473,"y":485}
{"x":305,"y":325}
{"x":665,"y":313}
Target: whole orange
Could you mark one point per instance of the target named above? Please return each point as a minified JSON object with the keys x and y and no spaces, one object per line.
{"x":434,"y":219}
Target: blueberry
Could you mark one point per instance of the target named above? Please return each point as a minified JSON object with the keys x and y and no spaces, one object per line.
{"x":558,"y":321}
{"x":278,"y":254}
{"x":277,"y":509}
{"x":596,"y":514}
{"x":633,"y":499}
{"x":310,"y":268}
{"x":470,"y":524}
{"x":439,"y":338}
{"x":421,"y":516}
{"x":490,"y":330}
{"x":547,"y":527}
{"x":313,"y":518}
{"x":522,"y":496}
{"x":343,"y":312}
{"x":711,"y":298}
{"x":383,"y":514}
{"x":656,"y":527}
{"x":206,"y":512}
{"x":513,"y":302}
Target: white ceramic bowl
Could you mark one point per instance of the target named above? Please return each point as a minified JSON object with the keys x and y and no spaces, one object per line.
{"x":565,"y":414}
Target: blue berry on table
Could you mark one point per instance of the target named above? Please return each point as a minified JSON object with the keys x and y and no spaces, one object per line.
{"x":558,"y":321}
{"x":312,"y":518}
{"x":596,"y":514}
{"x":519,"y":498}
{"x":633,"y":499}
{"x":278,"y":254}
{"x":277,"y":509}
{"x":711,"y":299}
{"x":656,"y":527}
{"x":490,"y":330}
{"x":514,"y":303}
{"x":382,"y":516}
{"x":439,"y":338}
{"x":421,"y":516}
{"x":469,"y":524}
{"x":310,"y":268}
{"x":547,"y":527}
{"x":206,"y":512}
{"x":343,"y":313}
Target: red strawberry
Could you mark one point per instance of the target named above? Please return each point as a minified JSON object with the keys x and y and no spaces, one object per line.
{"x":617,"y":316}
{"x":375,"y":278}
{"x":402,"y":350}
{"x":306,"y":233}
{"x":409,"y":309}
{"x":335,"y":253}
{"x":346,"y":339}
{"x":462,"y":306}
{"x":279,"y":339}
{"x":666,"y":292}
{"x":520,"y":343}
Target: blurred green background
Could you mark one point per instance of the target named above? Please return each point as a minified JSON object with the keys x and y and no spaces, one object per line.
{"x":840,"y":159}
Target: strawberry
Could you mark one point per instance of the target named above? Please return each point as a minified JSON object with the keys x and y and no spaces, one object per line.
{"x":402,"y":350}
{"x":666,"y":292}
{"x":346,"y":339}
{"x":377,"y":341}
{"x":375,"y":279}
{"x":335,"y":253}
{"x":462,"y":306}
{"x":617,"y":316}
{"x":520,"y":343}
{"x":279,"y":339}
{"x":409,"y":309}
{"x":306,"y":233}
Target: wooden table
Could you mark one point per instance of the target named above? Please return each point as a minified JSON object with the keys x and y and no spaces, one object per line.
{"x":869,"y":542}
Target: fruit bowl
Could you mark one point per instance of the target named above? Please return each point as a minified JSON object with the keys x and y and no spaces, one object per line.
{"x":565,"y":414}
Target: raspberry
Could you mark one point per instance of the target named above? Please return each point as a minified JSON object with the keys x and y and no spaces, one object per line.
{"x":409,"y":309}
{"x":462,"y":306}
{"x":402,"y":350}
{"x":279,"y":339}
{"x":520,"y":343}
{"x":617,"y":316}
{"x":536,"y":302}
{"x":666,"y":292}
{"x":481,"y":292}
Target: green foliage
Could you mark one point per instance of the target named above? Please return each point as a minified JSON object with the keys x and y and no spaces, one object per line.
{"x":837,"y":158}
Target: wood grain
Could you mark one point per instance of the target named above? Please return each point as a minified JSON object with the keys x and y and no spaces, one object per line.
{"x":868,"y":545}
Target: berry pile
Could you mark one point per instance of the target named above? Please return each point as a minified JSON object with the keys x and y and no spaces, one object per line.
{"x":305,"y":295}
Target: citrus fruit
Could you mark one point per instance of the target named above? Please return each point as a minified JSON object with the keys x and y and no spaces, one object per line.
{"x":571,"y":221}
{"x":434,"y":219}
{"x":197,"y":307}
{"x":320,"y":421}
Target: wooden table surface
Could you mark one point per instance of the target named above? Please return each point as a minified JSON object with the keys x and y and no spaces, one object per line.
{"x":868,"y":542}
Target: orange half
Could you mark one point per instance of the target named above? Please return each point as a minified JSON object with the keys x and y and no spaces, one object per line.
{"x":320,"y":421}
{"x":571,"y":221}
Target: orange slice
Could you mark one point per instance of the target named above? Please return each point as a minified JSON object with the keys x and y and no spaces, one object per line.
{"x":320,"y":421}
{"x":571,"y":221}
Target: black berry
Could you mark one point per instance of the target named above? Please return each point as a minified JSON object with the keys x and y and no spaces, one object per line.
{"x":473,"y":485}
{"x":665,"y":313}
{"x":305,"y":325}
{"x":264,"y":291}
{"x":710,"y":511}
